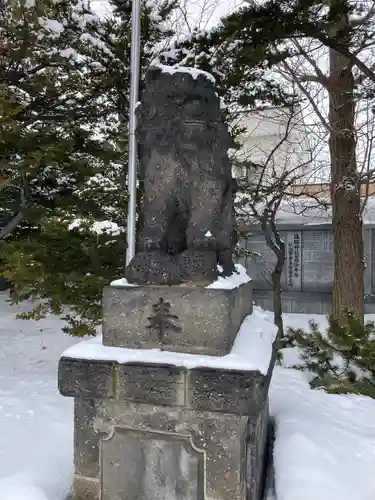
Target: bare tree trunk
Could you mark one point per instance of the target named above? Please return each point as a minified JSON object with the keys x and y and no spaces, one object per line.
{"x":348,"y":287}
{"x":277,"y":291}
{"x":277,"y":245}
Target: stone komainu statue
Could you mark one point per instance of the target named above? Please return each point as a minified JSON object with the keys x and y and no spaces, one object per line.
{"x":188,"y":217}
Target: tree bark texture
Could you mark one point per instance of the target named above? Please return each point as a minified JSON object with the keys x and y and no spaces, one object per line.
{"x":277,"y":299}
{"x":277,"y":245}
{"x":348,"y":286}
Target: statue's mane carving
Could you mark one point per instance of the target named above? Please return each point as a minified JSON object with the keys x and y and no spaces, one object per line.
{"x":180,"y":111}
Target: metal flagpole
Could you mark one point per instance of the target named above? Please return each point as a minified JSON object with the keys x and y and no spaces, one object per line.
{"x":132,"y":152}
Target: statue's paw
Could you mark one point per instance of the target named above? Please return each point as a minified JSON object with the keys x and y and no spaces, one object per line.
{"x":198,"y":266}
{"x":153,"y":268}
{"x":227,"y":264}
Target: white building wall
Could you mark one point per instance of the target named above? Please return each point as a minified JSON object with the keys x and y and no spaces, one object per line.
{"x":272,"y":137}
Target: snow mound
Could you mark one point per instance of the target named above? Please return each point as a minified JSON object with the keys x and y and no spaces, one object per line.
{"x":36,"y":438}
{"x":325,"y":444}
{"x":15,"y":489}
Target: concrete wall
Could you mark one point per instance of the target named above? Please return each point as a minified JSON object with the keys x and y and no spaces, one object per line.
{"x":308,"y":272}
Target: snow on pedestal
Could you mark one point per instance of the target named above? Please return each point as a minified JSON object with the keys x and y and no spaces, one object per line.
{"x":122,"y":282}
{"x":252,"y":350}
{"x":238,"y":278}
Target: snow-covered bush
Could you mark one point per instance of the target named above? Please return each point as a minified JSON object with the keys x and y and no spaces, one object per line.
{"x":340,"y":359}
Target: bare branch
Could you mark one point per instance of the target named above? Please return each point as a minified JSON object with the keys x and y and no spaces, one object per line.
{"x":185,"y":17}
{"x":360,"y":21}
{"x":319,"y":76}
{"x":276,"y":147}
{"x":362,"y":77}
{"x":310,"y":78}
{"x":307,"y":95}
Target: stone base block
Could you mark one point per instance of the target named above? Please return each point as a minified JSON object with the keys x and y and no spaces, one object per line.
{"x":155,"y":432}
{"x":140,"y":451}
{"x":175,"y":318}
{"x":86,"y":488}
{"x":201,"y":389}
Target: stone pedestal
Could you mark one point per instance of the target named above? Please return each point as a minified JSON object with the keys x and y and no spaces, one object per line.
{"x":152,"y":425}
{"x":165,"y":432}
{"x":196,"y":320}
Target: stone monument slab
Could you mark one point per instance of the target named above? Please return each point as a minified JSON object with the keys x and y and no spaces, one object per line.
{"x":318,"y":264}
{"x":188,"y":319}
{"x":151,"y":465}
{"x":261,"y":263}
{"x":229,"y":391}
{"x":293,"y":259}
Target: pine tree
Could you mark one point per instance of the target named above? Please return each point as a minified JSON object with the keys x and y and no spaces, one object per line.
{"x":259,"y":35}
{"x":243,"y":82}
{"x":342,"y":359}
{"x":63,"y":124}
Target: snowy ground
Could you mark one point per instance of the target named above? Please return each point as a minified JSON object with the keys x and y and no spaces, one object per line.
{"x":35,"y":421}
{"x":325,"y":445}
